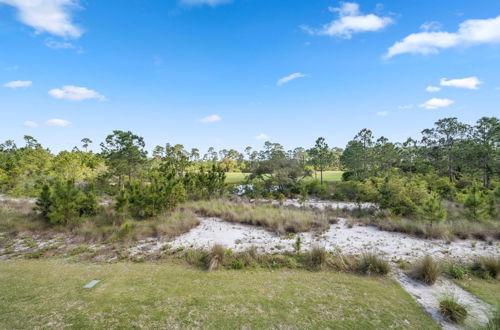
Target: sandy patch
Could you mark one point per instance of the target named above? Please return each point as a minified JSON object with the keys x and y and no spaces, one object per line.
{"x":429,"y":296}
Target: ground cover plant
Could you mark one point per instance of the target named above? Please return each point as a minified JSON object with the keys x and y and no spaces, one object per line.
{"x":178,"y":296}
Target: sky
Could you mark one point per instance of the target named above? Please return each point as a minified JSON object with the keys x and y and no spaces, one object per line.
{"x":235,"y":73}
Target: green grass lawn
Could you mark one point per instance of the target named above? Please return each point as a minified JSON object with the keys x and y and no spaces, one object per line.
{"x":328,"y":176}
{"x":487,"y":290}
{"x":49,"y":293}
{"x":236,"y":177}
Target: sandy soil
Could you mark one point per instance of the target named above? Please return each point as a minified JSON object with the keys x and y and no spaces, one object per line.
{"x":429,"y":296}
{"x":355,"y":240}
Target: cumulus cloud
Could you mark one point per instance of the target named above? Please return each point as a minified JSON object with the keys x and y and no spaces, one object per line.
{"x":74,"y":93}
{"x":436,"y":103}
{"x":383,"y":113}
{"x":29,"y":123}
{"x":211,"y":119}
{"x":211,"y":3}
{"x":350,"y":21}
{"x":18,"y":83}
{"x":47,"y":16}
{"x":470,"y":32}
{"x":406,"y":106}
{"x":262,"y":136}
{"x":468,"y":83}
{"x":289,"y":78}
{"x":433,"y":89}
{"x":57,"y":122}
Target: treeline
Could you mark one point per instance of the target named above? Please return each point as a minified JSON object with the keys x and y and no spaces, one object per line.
{"x":451,"y":161}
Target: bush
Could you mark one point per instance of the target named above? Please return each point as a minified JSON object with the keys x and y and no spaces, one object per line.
{"x":457,"y":271}
{"x":61,"y":202}
{"x":427,"y":270}
{"x":452,"y":310}
{"x":148,"y":200}
{"x":371,"y":264}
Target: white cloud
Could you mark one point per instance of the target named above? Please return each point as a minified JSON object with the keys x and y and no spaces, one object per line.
{"x":383,"y":113}
{"x":211,"y":119}
{"x":436,"y":103}
{"x":468,"y":83}
{"x":29,"y":123}
{"x":18,"y":83}
{"x":431,"y":26}
{"x":211,"y":3}
{"x":262,"y":136}
{"x":433,"y":89}
{"x":350,"y":21}
{"x":57,"y":122}
{"x":289,"y":78}
{"x":470,"y":32}
{"x":50,"y":16}
{"x":406,"y":107}
{"x":74,"y":93}
{"x":55,"y":44}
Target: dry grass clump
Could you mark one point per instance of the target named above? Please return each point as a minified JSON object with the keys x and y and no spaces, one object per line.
{"x":216,"y":258}
{"x":486,"y":267}
{"x":426,"y":270}
{"x":318,"y":257}
{"x":14,"y":220}
{"x":277,"y":219}
{"x":448,"y":230}
{"x":452,"y":310}
{"x":371,"y":264}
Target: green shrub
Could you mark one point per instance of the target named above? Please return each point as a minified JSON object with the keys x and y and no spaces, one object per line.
{"x":457,"y":271}
{"x":298,"y":243}
{"x":426,"y":270}
{"x":452,"y":310}
{"x":148,"y":200}
{"x":236,"y":263}
{"x":371,"y":264}
{"x":62,"y":202}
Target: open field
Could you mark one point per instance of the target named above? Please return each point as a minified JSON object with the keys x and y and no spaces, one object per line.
{"x":236,"y":177}
{"x":170,"y":296}
{"x":328,"y":176}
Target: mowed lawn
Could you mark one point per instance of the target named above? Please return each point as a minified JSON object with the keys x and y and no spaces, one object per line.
{"x":49,"y":294}
{"x":328,"y":176}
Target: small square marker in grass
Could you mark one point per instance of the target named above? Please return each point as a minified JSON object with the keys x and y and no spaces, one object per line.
{"x":91,"y":284}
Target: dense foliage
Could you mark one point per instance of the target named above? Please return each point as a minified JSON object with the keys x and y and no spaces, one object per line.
{"x":452,"y":162}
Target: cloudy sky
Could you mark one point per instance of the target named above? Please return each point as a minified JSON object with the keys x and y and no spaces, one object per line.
{"x":232,"y":73}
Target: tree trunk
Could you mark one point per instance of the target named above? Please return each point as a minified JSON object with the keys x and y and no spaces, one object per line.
{"x":321,"y":174}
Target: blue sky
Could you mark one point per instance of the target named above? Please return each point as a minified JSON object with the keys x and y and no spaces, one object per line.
{"x":234,"y":73}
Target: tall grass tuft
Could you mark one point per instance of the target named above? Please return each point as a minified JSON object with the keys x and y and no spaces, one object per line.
{"x":486,"y":267}
{"x":318,"y":257}
{"x":371,"y":264}
{"x":217,"y":257}
{"x":426,"y":270}
{"x":452,"y":310}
